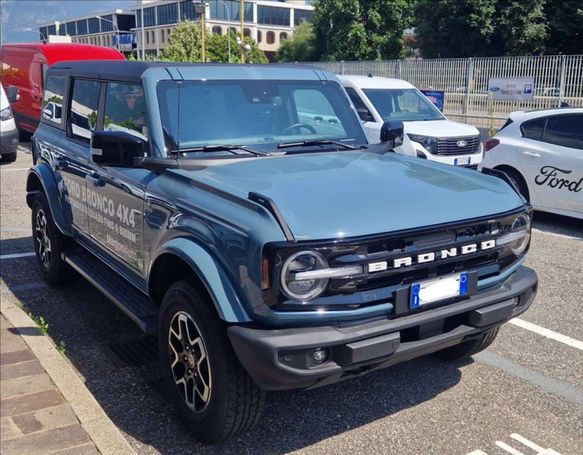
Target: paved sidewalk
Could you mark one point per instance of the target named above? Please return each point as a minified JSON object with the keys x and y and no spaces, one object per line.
{"x":35,"y":418}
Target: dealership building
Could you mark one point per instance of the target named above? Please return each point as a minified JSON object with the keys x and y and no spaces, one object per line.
{"x":267,"y":22}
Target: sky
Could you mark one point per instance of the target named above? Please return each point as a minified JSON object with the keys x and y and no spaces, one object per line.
{"x":19,"y":15}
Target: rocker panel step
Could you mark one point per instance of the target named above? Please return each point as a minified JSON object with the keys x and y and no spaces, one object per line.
{"x":130,"y":300}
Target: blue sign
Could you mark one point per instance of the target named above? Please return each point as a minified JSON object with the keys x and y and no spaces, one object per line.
{"x":436,"y":97}
{"x":528,"y":88}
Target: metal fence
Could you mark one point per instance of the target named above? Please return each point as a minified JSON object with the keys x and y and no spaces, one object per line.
{"x":557,"y":79}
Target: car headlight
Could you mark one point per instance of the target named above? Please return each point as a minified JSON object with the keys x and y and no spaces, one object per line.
{"x":295,"y":284}
{"x":429,"y":142}
{"x":6,"y":114}
{"x":519,"y":235}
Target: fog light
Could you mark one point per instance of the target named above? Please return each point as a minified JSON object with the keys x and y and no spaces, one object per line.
{"x":320,"y":355}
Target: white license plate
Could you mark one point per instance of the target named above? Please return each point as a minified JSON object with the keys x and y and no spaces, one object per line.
{"x":438,"y":289}
{"x":463,"y":161}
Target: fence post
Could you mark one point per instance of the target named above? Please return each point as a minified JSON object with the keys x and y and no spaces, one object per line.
{"x":469,"y":79}
{"x":342,"y":67}
{"x":562,"y":81}
{"x":399,"y":69}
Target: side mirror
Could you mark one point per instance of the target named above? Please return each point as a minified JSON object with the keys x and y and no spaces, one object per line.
{"x":392,"y":130}
{"x":117,"y":148}
{"x":365,"y":115}
{"x":13,"y":94}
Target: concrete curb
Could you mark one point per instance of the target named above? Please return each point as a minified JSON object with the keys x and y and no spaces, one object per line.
{"x":102,"y":431}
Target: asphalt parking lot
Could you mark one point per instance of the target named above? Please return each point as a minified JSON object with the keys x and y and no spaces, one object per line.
{"x":524,"y":395}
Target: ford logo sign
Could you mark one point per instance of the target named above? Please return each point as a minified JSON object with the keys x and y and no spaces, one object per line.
{"x":494,"y":89}
{"x":461,"y":143}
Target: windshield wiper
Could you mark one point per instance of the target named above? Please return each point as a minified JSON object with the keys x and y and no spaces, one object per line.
{"x":222,"y":148}
{"x":284,"y":145}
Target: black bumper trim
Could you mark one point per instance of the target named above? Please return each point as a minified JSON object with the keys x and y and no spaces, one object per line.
{"x":266,"y":354}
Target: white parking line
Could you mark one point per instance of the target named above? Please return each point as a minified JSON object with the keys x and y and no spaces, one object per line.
{"x":16,"y":255}
{"x":15,"y":169}
{"x":557,"y":234}
{"x":521,"y":439}
{"x":547,"y":333}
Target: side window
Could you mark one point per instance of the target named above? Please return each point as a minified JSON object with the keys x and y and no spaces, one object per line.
{"x":315,"y":110}
{"x":533,"y":129}
{"x":83,"y":115}
{"x":125,"y":109}
{"x":53,"y":99}
{"x":565,"y":130}
{"x":361,"y":108}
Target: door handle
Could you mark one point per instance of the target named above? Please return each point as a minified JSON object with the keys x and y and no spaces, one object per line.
{"x":95,"y":179}
{"x":534,"y":155}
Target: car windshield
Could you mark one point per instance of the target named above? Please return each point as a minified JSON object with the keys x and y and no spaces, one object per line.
{"x":257,"y":113}
{"x":403,"y":104}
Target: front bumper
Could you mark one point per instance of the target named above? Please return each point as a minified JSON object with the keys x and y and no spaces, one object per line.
{"x":280,"y":359}
{"x":8,"y":142}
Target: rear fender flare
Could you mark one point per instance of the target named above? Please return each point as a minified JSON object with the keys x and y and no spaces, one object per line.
{"x":42,"y":173}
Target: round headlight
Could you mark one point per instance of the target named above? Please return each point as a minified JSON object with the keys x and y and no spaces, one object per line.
{"x":306,"y":289}
{"x":521,"y":228}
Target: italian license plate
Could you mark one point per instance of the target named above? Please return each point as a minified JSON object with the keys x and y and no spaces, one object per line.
{"x":463,"y":161}
{"x":438,"y":289}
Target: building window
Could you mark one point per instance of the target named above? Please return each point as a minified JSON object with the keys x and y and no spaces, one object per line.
{"x":93,"y":23}
{"x":187,"y":12}
{"x":153,"y":37}
{"x":147,"y":37}
{"x":105,"y":22}
{"x":230,"y":10}
{"x":168,"y":14}
{"x":162,"y":33}
{"x":82,"y":27}
{"x":302,"y":15}
{"x":149,"y":16}
{"x":270,"y":37}
{"x":259,"y":36}
{"x":51,"y":30}
{"x":217,"y":30}
{"x":44,"y":34}
{"x":273,"y":15}
{"x":71,"y":29}
{"x":233,"y":29}
{"x":246,"y":32}
{"x":62,"y":30}
{"x":282,"y":36}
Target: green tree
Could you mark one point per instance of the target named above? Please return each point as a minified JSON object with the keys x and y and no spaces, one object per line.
{"x":361,"y":29}
{"x":184,"y":45}
{"x":565,"y":20}
{"x":301,"y":47}
{"x":467,"y":28}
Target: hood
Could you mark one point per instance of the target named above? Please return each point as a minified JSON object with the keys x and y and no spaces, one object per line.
{"x":346,"y":194}
{"x":440,"y":128}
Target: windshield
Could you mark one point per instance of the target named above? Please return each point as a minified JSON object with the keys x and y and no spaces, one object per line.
{"x":403,"y":104}
{"x":256,"y":113}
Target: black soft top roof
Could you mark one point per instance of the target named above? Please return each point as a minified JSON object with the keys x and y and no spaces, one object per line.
{"x":132,"y":71}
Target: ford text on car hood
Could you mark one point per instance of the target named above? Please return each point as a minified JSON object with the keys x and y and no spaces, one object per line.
{"x":349,"y":194}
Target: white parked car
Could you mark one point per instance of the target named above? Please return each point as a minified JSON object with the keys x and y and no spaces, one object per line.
{"x":8,"y":132}
{"x":429,"y":134}
{"x":542,"y":152}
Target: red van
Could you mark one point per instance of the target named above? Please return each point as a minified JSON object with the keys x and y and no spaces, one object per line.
{"x":24,"y":66}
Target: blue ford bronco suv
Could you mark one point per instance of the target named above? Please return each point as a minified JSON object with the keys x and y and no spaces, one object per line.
{"x":237,"y":213}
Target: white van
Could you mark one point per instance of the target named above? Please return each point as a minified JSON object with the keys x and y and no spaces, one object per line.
{"x":429,"y":134}
{"x":8,"y":132}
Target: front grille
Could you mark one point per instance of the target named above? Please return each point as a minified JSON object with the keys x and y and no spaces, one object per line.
{"x":375,"y":287}
{"x":455,"y":146}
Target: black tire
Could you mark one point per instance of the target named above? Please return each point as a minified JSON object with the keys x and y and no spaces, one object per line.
{"x":468,"y":348}
{"x":233,"y":402}
{"x":48,"y":243}
{"x":9,"y":158}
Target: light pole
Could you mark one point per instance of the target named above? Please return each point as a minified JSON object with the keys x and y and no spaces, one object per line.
{"x":143,"y":39}
{"x":242,"y":14}
{"x":227,"y":10}
{"x":200,"y":8}
{"x":36,"y":31}
{"x":116,"y":29}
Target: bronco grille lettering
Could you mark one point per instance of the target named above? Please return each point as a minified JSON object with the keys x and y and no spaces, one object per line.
{"x":431,"y":256}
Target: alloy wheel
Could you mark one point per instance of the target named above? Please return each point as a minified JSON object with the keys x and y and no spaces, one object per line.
{"x":189,"y":362}
{"x":43,"y":241}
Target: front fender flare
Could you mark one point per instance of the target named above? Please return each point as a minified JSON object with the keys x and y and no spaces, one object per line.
{"x":43,"y":173}
{"x":220,"y":288}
